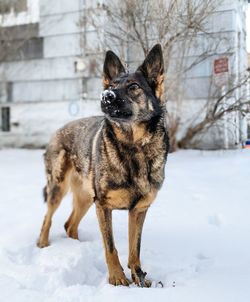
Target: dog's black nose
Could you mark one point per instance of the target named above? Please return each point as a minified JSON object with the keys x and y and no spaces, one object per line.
{"x":108,"y":96}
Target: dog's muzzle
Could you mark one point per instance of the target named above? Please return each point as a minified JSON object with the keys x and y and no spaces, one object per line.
{"x":114,"y":106}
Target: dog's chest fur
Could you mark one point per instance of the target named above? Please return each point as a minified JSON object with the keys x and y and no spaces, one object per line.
{"x":126,"y":172}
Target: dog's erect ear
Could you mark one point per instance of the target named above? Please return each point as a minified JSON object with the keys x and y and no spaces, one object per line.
{"x":153,"y":69}
{"x":112,"y":68}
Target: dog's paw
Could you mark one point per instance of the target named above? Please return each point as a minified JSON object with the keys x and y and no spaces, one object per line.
{"x":72,"y":234}
{"x":42,"y":243}
{"x":138,"y":277}
{"x":119,"y":279}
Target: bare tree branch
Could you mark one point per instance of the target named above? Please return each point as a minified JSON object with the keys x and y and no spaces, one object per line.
{"x":177,"y":25}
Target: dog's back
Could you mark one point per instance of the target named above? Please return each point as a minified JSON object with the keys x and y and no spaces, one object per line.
{"x":74,"y":141}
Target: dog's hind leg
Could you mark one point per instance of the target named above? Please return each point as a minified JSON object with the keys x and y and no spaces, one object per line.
{"x":83,"y":196}
{"x":55,"y":190}
{"x":80,"y":208}
{"x":53,"y":202}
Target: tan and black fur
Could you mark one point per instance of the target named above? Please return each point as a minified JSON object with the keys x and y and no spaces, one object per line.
{"x":115,"y":161}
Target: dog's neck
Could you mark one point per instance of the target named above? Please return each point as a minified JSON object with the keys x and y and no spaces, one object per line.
{"x":131,"y":133}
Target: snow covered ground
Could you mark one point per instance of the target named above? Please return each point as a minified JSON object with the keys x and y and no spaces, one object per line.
{"x":196,"y":235}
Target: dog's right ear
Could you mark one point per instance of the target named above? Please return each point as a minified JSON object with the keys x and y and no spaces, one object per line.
{"x":153,"y":69}
{"x":112,"y":68}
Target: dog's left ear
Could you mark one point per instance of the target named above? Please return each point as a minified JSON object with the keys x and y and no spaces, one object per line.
{"x":153,"y":69}
{"x":112,"y":68}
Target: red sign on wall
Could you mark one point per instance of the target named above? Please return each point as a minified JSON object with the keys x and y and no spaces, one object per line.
{"x":221,"y":71}
{"x":221,"y":65}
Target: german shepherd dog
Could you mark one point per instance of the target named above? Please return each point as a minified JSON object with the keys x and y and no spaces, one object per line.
{"x":115,"y":161}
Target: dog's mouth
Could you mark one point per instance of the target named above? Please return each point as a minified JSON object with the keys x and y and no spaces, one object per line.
{"x":117,"y":111}
{"x":118,"y":114}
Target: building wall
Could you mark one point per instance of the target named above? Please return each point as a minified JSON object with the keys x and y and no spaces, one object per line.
{"x":42,"y":86}
{"x":227,"y":24}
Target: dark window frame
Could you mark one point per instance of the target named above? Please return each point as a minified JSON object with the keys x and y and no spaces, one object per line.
{"x":17,"y":5}
{"x":5,"y":119}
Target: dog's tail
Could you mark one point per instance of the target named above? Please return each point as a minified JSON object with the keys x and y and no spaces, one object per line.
{"x":45,"y":194}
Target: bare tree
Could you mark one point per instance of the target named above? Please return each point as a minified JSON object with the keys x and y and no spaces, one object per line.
{"x":216,"y":109}
{"x":139,"y":24}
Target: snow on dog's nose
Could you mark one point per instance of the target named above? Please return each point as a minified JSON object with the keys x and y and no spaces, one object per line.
{"x":108,"y":96}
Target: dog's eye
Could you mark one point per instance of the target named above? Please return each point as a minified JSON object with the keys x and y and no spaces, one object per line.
{"x":133,"y":86}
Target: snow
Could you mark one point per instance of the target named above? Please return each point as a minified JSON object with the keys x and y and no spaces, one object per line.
{"x":195,"y":239}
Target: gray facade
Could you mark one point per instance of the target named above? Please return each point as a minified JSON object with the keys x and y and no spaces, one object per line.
{"x":227,"y":27}
{"x":40,"y":82}
{"x":54,"y":76}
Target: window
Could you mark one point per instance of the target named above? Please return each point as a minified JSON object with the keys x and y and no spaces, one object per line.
{"x":17,"y":5}
{"x":5,"y":118}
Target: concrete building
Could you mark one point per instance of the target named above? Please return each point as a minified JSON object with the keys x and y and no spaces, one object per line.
{"x":227,"y":25}
{"x":54,"y":77}
{"x":46,"y":83}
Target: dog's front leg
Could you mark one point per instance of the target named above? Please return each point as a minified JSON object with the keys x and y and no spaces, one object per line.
{"x":116,"y":274}
{"x":136,"y":220}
